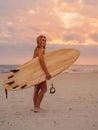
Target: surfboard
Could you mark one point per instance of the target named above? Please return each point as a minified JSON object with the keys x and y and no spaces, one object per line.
{"x":31,"y":73}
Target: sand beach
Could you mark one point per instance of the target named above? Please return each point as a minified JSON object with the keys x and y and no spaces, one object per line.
{"x":74,"y":106}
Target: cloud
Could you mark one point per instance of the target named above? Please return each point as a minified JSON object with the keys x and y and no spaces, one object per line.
{"x":46,"y":17}
{"x":62,"y":21}
{"x":91,"y":2}
{"x":74,"y":36}
{"x":94,"y":36}
{"x":91,"y":51}
{"x":15,"y":53}
{"x":22,"y":52}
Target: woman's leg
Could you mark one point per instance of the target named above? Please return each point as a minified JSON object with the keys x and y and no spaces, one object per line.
{"x":35,"y":95}
{"x":40,"y":95}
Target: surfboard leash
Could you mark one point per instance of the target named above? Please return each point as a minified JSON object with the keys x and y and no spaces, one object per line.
{"x":52,"y":89}
{"x":6,"y":93}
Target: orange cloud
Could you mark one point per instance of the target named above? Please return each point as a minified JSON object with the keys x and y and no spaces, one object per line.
{"x":63,"y":22}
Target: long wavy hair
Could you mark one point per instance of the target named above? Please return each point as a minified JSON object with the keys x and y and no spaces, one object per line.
{"x":39,"y":40}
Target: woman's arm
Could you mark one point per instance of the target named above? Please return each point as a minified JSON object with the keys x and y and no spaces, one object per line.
{"x":43,"y":65}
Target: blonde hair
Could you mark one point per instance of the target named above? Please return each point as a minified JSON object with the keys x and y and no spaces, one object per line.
{"x":39,"y":40}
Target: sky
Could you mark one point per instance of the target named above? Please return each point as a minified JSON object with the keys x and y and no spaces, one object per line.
{"x":65,"y":23}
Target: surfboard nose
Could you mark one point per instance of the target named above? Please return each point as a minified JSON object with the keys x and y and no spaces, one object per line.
{"x":75,"y":53}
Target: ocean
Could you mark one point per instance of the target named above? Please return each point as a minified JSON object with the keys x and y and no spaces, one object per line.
{"x":72,"y":69}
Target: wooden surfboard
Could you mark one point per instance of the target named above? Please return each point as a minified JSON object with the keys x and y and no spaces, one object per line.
{"x":31,"y":73}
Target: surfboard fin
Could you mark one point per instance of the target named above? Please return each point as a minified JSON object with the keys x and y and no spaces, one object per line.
{"x":15,"y":86}
{"x":6,"y":93}
{"x":24,"y":86}
{"x":14,"y":71}
{"x":10,"y":76}
{"x":10,"y":82}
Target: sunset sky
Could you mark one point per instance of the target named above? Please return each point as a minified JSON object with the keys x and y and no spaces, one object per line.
{"x":65,"y":23}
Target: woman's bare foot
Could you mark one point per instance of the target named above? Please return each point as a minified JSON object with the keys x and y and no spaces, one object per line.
{"x":36,"y":110}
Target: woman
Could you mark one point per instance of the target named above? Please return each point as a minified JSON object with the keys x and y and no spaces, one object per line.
{"x":40,"y":89}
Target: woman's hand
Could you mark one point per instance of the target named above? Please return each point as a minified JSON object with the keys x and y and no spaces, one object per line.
{"x":48,"y":76}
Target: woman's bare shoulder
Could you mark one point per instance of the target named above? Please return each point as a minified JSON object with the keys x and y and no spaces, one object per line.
{"x":38,"y":51}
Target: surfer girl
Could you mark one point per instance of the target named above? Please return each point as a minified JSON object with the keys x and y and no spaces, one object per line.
{"x":40,"y":89}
